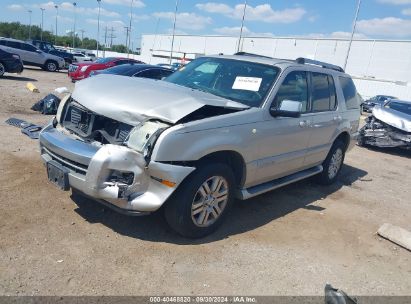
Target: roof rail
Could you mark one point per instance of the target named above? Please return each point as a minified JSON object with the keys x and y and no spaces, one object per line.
{"x":251,"y":54}
{"x":320,"y":63}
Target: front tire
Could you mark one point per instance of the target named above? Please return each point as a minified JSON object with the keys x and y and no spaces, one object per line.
{"x":332,"y":164}
{"x":201,"y":203}
{"x":51,"y":66}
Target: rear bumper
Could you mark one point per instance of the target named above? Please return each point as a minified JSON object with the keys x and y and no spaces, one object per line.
{"x":91,"y":169}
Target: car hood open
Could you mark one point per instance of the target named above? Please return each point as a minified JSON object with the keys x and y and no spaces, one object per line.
{"x":393,"y":118}
{"x":133,"y":100}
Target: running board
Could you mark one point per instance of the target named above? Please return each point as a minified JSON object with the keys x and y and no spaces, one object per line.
{"x":244,"y":194}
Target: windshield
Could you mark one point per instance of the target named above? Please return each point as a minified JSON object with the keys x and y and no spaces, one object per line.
{"x":103,"y":60}
{"x":403,"y":107}
{"x":241,"y":81}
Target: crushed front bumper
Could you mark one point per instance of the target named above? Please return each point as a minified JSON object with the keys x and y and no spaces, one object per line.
{"x":91,"y":169}
{"x":379,"y":134}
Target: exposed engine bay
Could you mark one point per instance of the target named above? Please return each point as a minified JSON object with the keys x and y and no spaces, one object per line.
{"x":92,"y":127}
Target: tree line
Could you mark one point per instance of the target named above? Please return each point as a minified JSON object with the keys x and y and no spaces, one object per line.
{"x":20,"y":31}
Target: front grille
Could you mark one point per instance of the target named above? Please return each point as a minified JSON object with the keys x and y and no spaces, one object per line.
{"x":91,"y":126}
{"x":68,"y":163}
{"x":78,"y":120}
{"x":75,"y":116}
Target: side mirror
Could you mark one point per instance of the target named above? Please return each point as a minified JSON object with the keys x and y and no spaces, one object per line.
{"x":288,"y":108}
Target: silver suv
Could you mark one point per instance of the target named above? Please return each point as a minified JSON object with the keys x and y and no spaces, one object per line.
{"x":30,"y":55}
{"x":219,"y":129}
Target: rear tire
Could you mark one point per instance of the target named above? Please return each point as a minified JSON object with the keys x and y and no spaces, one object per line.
{"x":202,"y":201}
{"x":51,"y":66}
{"x":2,"y":69}
{"x":332,"y":164}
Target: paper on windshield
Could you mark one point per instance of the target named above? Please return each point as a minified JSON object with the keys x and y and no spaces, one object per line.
{"x":247,"y":83}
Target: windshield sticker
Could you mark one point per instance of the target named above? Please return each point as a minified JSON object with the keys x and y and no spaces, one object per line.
{"x":247,"y":83}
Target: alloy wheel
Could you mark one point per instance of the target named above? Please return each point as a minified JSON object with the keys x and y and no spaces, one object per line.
{"x":209,"y":201}
{"x":335,"y":163}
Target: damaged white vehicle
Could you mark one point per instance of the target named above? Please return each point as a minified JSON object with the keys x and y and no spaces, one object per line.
{"x":219,"y":129}
{"x":388,"y":126}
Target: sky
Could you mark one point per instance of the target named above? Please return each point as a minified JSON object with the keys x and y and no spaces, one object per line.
{"x":386,"y":19}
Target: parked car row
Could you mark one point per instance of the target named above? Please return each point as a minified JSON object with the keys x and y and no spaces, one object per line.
{"x":49,"y":48}
{"x":31,"y":55}
{"x":82,"y":70}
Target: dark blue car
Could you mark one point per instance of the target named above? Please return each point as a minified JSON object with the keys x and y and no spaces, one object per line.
{"x":10,"y":63}
{"x":137,"y":70}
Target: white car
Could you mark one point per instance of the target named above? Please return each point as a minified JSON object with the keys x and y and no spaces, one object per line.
{"x":79,"y":57}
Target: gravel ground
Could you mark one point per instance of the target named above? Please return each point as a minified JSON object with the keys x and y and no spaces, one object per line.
{"x":287,"y":242}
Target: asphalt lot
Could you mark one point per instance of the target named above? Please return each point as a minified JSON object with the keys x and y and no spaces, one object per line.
{"x":287,"y":242}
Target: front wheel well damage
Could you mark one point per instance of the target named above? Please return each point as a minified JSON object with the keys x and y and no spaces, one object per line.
{"x":231,"y":158}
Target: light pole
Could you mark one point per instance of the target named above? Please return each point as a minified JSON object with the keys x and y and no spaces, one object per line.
{"x":30,"y":11}
{"x":129,"y":37}
{"x":242,"y":26}
{"x":352,"y":33}
{"x":82,"y":37}
{"x":42,"y":15}
{"x":57,"y":14}
{"x":74,"y":30}
{"x":174,"y":30}
{"x":98,"y":25}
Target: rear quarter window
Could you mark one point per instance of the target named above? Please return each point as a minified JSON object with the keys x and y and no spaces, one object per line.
{"x":350,"y":93}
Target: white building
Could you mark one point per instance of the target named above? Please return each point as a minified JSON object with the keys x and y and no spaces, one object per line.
{"x":377,"y":66}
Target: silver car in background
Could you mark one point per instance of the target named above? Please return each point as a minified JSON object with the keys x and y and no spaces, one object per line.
{"x":30,"y":55}
{"x":219,"y":129}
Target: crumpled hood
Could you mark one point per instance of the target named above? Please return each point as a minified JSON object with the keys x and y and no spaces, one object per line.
{"x":132,"y":100}
{"x":393,"y":118}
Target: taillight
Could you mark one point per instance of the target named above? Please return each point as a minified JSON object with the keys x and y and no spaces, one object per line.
{"x":16,"y":56}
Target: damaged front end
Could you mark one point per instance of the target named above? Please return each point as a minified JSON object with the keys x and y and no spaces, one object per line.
{"x":109,"y":160}
{"x":378,"y":133}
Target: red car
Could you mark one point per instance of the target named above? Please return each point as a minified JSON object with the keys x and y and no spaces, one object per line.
{"x":82,"y":70}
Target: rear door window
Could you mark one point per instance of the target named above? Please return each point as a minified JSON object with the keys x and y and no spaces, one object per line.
{"x":349,"y":92}
{"x":120,"y":62}
{"x":28,"y":47}
{"x":323,"y":92}
{"x":152,"y":73}
{"x":14,"y":44}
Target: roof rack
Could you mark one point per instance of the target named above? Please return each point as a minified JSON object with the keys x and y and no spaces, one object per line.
{"x":251,"y":54}
{"x":320,"y":63}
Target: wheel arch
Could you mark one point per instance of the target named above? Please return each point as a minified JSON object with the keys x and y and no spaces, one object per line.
{"x":344,"y":137}
{"x":231,"y":158}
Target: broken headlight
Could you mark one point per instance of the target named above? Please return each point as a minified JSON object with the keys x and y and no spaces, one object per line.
{"x":143,"y":137}
{"x":61,"y":107}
